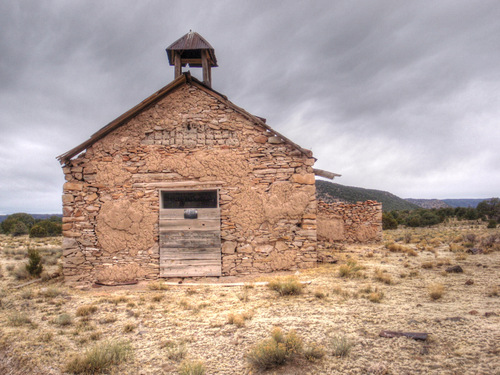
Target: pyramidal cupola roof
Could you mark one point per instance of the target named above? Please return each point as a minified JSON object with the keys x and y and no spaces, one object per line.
{"x":191,"y":44}
{"x":193,"y":50}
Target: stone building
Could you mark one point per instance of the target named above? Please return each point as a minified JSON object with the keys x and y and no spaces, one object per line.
{"x":186,"y":183}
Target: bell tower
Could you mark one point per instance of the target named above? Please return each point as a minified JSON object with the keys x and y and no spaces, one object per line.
{"x":193,"y":50}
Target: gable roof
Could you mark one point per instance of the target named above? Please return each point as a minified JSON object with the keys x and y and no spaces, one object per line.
{"x":184,"y":78}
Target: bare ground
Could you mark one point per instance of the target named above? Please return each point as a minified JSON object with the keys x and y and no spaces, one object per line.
{"x":463,"y":324}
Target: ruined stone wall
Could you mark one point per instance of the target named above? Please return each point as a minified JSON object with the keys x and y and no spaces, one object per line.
{"x":345,"y":222}
{"x":187,"y":140}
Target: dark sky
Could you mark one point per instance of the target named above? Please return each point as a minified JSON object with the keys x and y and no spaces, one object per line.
{"x":401,"y":96}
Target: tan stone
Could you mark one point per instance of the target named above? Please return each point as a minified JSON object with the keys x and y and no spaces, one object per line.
{"x":228,"y":247}
{"x":306,"y":179}
{"x":72,"y":186}
{"x":260,"y":139}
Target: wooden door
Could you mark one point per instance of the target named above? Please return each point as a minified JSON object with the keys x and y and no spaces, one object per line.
{"x":189,"y":236}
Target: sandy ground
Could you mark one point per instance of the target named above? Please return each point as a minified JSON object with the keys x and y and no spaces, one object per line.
{"x":464,"y":324}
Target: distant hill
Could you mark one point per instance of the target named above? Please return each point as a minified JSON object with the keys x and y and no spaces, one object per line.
{"x":36,"y":216}
{"x":463,"y":202}
{"x":428,"y":203}
{"x":329,"y":191}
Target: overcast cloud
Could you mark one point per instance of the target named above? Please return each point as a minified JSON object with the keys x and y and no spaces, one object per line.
{"x":400,"y":96}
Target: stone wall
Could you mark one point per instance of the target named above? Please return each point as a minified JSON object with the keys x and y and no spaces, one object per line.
{"x":345,"y":222}
{"x":187,"y":140}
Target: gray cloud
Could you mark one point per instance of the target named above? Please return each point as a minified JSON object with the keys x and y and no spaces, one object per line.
{"x":399,"y":96}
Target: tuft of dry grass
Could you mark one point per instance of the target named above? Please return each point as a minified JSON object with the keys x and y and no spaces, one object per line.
{"x":350,"y":270}
{"x":86,"y":310}
{"x":427,"y":265}
{"x":436,"y":291}
{"x":341,"y":346}
{"x":175,"y":351}
{"x":192,"y":367}
{"x":100,"y":358}
{"x":383,"y":277}
{"x":157,"y":285}
{"x":286,"y":286}
{"x":239,"y":319}
{"x":17,"y":319}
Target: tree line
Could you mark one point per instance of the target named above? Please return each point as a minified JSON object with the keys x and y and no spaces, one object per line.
{"x":487,"y":210}
{"x":20,"y":224}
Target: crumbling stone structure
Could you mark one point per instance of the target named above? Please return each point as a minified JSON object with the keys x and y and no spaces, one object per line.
{"x":186,"y":183}
{"x":352,"y":223}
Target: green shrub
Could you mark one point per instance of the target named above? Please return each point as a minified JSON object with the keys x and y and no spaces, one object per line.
{"x":492,"y":224}
{"x":189,"y":367}
{"x":34,"y":266}
{"x":341,"y":346}
{"x":388,"y":221}
{"x":19,"y":229}
{"x":63,"y":320}
{"x":99,"y":358}
{"x":9,"y":224}
{"x":286,"y":285}
{"x":276,"y":350}
{"x":38,"y":231}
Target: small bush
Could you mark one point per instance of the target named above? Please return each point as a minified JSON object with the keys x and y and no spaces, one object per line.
{"x":99,"y":358}
{"x":313,"y":352}
{"x":350,"y":269}
{"x":34,"y":266}
{"x":157,"y":285}
{"x":51,"y":292}
{"x":189,"y":367}
{"x":21,"y":273}
{"x":157,"y":297}
{"x":237,"y":319}
{"x":286,"y":285}
{"x":86,"y":310}
{"x":341,"y":346}
{"x":175,"y":351}
{"x":436,"y":291}
{"x":492,"y":224}
{"x":276,"y":350}
{"x":427,"y":265}
{"x":375,"y":297}
{"x":63,"y":320}
{"x":18,"y":319}
{"x":129,"y":328}
{"x":107,"y":319}
{"x":383,"y":277}
{"x":319,"y":294}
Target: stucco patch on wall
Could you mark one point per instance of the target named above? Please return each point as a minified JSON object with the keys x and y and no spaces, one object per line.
{"x":124,"y":226}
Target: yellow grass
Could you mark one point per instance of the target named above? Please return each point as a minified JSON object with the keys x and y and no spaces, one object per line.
{"x":197,"y":322}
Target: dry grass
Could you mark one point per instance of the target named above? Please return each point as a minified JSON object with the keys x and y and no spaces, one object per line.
{"x":286,"y":286}
{"x":190,"y":323}
{"x":100,"y":358}
{"x":436,"y":291}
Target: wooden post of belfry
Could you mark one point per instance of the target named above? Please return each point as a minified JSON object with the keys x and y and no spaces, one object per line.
{"x":178,"y":65}
{"x":206,"y":68}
